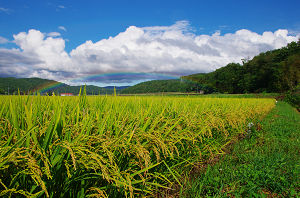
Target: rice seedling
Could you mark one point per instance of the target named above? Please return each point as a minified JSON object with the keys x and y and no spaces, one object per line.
{"x":115,"y":146}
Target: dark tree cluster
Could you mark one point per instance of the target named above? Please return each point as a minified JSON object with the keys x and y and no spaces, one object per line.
{"x":175,"y":85}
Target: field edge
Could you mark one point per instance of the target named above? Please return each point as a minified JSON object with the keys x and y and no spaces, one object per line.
{"x":262,"y":164}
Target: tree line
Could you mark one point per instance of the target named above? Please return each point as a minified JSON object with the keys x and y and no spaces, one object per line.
{"x":174,"y":85}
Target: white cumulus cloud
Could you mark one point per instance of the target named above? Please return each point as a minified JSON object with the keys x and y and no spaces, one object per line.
{"x":174,"y":49}
{"x":48,"y":50}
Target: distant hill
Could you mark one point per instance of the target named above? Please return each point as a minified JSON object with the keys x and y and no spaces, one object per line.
{"x":29,"y":85}
{"x":118,"y":87}
{"x":11,"y":85}
{"x":271,"y":71}
{"x":174,"y":85}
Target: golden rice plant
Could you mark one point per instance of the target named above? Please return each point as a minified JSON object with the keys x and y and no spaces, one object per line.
{"x":99,"y":146}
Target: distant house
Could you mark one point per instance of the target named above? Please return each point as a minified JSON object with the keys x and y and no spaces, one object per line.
{"x":66,"y":94}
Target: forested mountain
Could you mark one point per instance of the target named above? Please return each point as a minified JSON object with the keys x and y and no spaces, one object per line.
{"x":272,"y":71}
{"x":175,"y":85}
{"x":11,"y":85}
{"x":44,"y":86}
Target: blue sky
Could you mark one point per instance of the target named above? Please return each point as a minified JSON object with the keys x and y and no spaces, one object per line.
{"x":72,"y":23}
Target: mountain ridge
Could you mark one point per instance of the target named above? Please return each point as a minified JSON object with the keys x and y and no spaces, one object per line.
{"x":12,"y":85}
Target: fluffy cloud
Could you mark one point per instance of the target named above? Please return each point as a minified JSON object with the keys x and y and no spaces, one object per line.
{"x":48,"y":50}
{"x":160,"y":49}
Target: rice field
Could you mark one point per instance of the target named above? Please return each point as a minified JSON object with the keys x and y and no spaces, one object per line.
{"x":116,"y":146}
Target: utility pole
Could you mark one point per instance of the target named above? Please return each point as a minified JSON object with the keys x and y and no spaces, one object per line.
{"x":8,"y":90}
